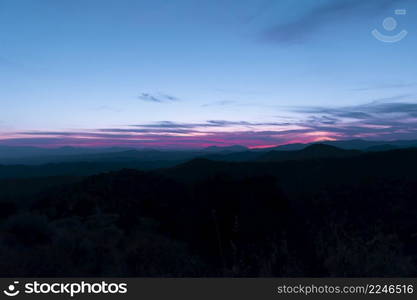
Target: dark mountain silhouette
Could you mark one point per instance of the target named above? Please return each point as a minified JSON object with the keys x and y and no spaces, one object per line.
{"x":86,"y":165}
{"x":306,"y":174}
{"x":356,"y":144}
{"x":349,"y":216}
{"x":314,"y":151}
{"x":35,"y":156}
{"x":383,"y":147}
{"x":77,"y":168}
{"x":364,"y":144}
{"x":234,"y":148}
{"x":288,"y":147}
{"x":235,"y":156}
{"x":14,"y":152}
{"x":135,"y":155}
{"x":145,"y":156}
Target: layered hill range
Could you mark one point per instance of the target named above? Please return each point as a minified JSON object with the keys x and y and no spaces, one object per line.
{"x":34,"y":155}
{"x":28,"y":162}
{"x":341,"y":209}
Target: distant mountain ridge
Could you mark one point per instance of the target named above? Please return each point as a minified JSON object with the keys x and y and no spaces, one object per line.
{"x":398,"y":163}
{"x":314,"y":151}
{"x":33,"y":155}
{"x":356,"y":144}
{"x":24,"y":152}
{"x":153,"y":160}
{"x":234,"y":148}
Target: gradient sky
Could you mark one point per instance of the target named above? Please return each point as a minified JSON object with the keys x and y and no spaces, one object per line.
{"x":191,"y":73}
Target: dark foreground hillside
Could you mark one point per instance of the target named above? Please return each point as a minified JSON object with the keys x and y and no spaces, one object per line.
{"x":353,"y":215}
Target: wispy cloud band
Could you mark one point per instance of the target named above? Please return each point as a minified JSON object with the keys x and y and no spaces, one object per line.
{"x":376,"y":120}
{"x":157,"y":98}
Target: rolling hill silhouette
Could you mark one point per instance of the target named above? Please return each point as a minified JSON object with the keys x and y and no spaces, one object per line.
{"x":86,"y":165}
{"x":164,"y":158}
{"x":315,"y":151}
{"x":323,"y":212}
{"x":234,"y":148}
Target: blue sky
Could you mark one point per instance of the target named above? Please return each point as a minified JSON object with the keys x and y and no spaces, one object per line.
{"x":184,"y":73}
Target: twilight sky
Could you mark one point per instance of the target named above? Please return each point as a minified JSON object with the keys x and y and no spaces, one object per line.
{"x":194,"y":73}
